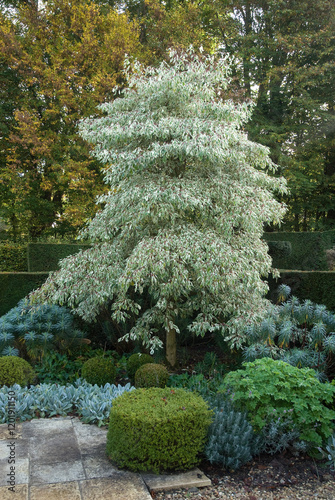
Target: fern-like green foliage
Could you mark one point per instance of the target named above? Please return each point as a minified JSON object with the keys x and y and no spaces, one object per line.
{"x":301,"y":334}
{"x":232,"y":441}
{"x":32,"y":332}
{"x":270,"y":390}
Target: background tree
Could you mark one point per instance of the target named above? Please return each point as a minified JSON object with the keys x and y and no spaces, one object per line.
{"x":169,"y":24}
{"x":285,"y":60}
{"x":57,"y":64}
{"x":183,"y":219}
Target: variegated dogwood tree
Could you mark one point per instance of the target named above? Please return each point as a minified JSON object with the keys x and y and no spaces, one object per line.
{"x":183,"y":220}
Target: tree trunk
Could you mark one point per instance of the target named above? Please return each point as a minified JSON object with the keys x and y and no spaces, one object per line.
{"x":171,"y":347}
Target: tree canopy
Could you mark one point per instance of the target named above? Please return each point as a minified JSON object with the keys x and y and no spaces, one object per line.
{"x":57,"y":64}
{"x":285,"y":60}
{"x":182,"y":222}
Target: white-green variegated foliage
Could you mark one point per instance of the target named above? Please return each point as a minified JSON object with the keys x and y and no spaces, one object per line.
{"x":183,"y":220}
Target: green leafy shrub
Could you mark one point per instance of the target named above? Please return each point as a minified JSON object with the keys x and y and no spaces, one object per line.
{"x":231,"y":439}
{"x":32,"y":332}
{"x":270,"y":390}
{"x":99,"y":370}
{"x":135,"y":361}
{"x":58,"y":368}
{"x":302,"y":334}
{"x":151,"y":375}
{"x":157,"y":429}
{"x":14,"y":370}
{"x":206,"y":387}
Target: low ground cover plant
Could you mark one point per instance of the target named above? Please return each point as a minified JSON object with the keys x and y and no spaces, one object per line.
{"x":91,"y":402}
{"x":58,"y":368}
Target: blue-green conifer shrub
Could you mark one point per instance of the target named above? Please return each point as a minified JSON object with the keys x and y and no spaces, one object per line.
{"x":33,"y":331}
{"x":158,"y":429}
{"x":232,"y":441}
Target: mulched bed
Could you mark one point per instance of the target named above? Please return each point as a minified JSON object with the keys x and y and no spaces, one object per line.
{"x":281,"y":476}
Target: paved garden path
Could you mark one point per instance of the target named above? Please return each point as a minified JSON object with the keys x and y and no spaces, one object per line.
{"x":63,"y":459}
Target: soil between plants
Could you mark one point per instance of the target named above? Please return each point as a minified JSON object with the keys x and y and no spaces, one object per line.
{"x":268,"y":477}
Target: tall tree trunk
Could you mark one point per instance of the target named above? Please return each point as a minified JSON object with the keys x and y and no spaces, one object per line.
{"x":171,"y":347}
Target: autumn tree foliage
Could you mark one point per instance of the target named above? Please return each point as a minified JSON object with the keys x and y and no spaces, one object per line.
{"x":182,"y":222}
{"x":171,"y":24}
{"x":57,"y":64}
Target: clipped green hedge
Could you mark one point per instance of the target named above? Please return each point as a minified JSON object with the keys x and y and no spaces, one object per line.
{"x":13,"y":257}
{"x":308,"y":250}
{"x":317,"y":286}
{"x":158,"y":429}
{"x":45,"y":256}
{"x":15,"y":286}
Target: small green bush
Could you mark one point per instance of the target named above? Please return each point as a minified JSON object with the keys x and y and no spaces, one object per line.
{"x":270,"y":390}
{"x":158,"y":429}
{"x":99,"y":371}
{"x":135,"y":361}
{"x":14,"y":370}
{"x":151,"y":375}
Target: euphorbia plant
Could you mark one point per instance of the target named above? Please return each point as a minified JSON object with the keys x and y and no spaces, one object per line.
{"x":182,"y":223}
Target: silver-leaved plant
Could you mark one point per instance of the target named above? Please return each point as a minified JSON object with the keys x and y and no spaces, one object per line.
{"x":183,"y":220}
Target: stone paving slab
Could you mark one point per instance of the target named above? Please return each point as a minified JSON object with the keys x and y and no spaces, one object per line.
{"x":6,"y":434}
{"x":20,"y":493}
{"x":130,"y":487}
{"x":191,"y":479}
{"x":64,"y":459}
{"x":57,"y":491}
{"x":20,"y":448}
{"x":56,"y":473}
{"x":21,"y":471}
{"x":53,"y":448}
{"x":95,"y":467}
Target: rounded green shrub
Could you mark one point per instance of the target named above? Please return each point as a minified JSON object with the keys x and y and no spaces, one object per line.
{"x":272,"y":390}
{"x":157,"y":429}
{"x":151,"y":375}
{"x":15,"y":370}
{"x":135,"y":361}
{"x":99,"y":370}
